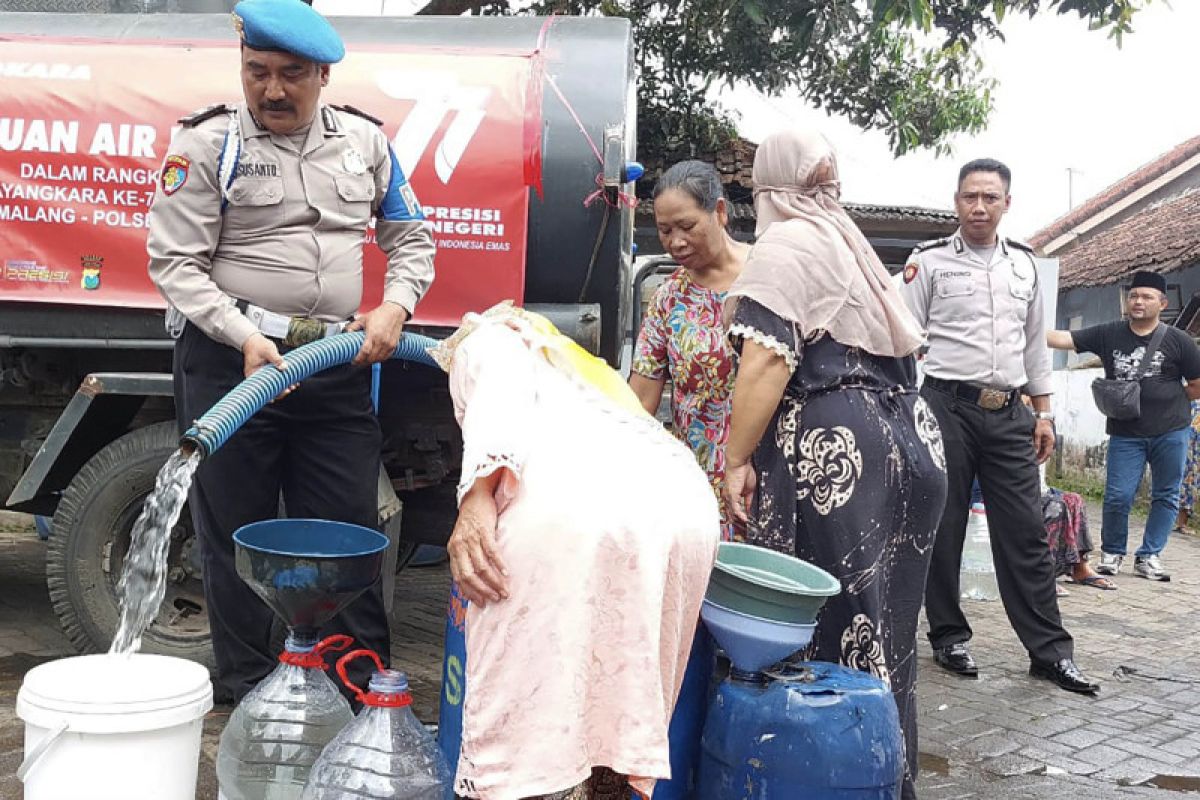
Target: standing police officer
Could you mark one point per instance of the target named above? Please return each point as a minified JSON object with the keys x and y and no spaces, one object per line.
{"x":256,"y":236}
{"x":978,"y":296}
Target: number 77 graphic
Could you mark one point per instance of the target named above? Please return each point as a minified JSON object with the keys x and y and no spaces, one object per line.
{"x":436,"y":94}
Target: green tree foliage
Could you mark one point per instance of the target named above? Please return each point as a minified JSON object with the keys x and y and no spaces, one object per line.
{"x":908,"y":68}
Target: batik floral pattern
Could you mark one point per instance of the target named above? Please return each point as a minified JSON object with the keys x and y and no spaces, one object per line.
{"x":929,"y":432}
{"x":862,"y":648}
{"x":829,"y":467}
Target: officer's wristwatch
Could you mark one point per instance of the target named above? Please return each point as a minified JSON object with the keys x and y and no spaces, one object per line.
{"x":1044,"y":415}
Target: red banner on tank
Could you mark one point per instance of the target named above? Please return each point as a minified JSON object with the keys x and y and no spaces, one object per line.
{"x":85,"y":127}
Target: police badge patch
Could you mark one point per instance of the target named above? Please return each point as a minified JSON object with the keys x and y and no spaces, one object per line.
{"x":353,"y":162}
{"x":175,"y":173}
{"x":910,"y":271}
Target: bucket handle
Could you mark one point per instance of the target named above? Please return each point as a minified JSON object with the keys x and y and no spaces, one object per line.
{"x":37,"y":752}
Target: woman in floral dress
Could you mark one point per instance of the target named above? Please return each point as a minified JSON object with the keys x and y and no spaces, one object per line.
{"x":1190,"y":487}
{"x":682,"y":337}
{"x":847,"y":459}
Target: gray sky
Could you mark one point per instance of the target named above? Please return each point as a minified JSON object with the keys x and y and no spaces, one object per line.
{"x":1067,"y":97}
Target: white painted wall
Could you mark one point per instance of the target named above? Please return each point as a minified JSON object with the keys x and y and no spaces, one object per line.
{"x":1078,"y":419}
{"x":1048,"y":281}
{"x":1082,"y":442}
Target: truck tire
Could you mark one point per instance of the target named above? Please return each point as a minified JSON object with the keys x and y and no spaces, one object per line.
{"x":87,"y":548}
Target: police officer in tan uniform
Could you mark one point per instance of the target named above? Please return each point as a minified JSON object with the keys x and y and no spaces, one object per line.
{"x":978,"y":296}
{"x":256,"y":236}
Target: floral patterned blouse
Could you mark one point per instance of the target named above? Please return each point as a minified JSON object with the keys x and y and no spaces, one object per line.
{"x":682,"y":339}
{"x":1189,"y":491}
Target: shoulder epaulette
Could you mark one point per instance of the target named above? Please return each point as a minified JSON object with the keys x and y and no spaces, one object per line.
{"x":358,"y":113}
{"x":1019,"y":245}
{"x":932,"y":243}
{"x":196,"y":117}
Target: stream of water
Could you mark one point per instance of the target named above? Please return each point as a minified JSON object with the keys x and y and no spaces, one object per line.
{"x":144,"y":576}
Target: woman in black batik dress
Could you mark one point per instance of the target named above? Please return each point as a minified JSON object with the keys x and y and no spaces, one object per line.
{"x":832,"y":456}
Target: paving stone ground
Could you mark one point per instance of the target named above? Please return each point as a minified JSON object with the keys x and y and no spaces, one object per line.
{"x":1009,"y":735}
{"x":1003,"y":736}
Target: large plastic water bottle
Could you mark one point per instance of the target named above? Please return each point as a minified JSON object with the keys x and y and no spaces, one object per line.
{"x":277,"y":732}
{"x":385,"y":753}
{"x":977,"y":580}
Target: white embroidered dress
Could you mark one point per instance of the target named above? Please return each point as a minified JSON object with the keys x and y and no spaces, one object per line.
{"x":609,"y":531}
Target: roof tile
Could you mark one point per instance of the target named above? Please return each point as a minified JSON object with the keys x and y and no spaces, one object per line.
{"x":1126,"y":186}
{"x":1163,"y":237}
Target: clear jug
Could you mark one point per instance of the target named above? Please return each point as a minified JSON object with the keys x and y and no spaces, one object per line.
{"x":385,"y":752}
{"x":276,"y":733}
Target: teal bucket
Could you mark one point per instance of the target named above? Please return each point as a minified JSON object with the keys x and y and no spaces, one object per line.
{"x":773,"y":586}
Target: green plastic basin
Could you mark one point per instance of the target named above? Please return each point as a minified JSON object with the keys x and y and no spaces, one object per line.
{"x":767,"y":584}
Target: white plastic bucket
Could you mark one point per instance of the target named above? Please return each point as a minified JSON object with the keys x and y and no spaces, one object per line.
{"x":107,"y":727}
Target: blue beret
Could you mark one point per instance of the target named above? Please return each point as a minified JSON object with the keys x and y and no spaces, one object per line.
{"x":288,"y":25}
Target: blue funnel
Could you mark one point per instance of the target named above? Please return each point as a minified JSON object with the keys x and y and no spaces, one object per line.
{"x":307,"y":570}
{"x":753,"y":643}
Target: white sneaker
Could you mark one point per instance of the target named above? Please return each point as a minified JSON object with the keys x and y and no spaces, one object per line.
{"x":1150,"y":568}
{"x":1109,"y":564}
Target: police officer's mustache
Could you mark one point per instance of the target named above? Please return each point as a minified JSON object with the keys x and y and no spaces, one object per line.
{"x":277,"y":105}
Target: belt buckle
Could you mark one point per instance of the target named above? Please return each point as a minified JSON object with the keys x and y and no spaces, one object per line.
{"x":992,"y":399}
{"x":302,"y":331}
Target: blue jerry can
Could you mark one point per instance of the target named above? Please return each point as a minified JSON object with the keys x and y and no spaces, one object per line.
{"x":454,"y":679}
{"x":815,"y":731}
{"x":687,"y":722}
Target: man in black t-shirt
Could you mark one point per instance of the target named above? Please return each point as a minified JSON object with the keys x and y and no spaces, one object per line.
{"x":1159,"y":437}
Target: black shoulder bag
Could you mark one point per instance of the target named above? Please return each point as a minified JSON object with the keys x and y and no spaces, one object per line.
{"x":1122,"y":400}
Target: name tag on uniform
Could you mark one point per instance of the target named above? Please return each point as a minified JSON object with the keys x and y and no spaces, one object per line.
{"x":250,"y":169}
{"x":953,"y":282}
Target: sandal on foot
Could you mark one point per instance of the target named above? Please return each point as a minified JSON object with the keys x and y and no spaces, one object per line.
{"x":1096,"y":582}
{"x":1060,"y":590}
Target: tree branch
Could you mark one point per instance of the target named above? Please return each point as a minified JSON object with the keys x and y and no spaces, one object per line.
{"x":875,"y":63}
{"x":451,"y":7}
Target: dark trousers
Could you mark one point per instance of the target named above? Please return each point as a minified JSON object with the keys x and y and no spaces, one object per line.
{"x":998,"y":447}
{"x":319,"y":446}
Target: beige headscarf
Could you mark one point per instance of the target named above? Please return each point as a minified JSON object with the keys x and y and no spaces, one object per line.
{"x":811,"y":264}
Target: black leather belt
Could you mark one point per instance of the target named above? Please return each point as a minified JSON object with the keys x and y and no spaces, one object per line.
{"x":985,"y":397}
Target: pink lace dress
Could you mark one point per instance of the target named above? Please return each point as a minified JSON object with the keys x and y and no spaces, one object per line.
{"x":581,"y":665}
